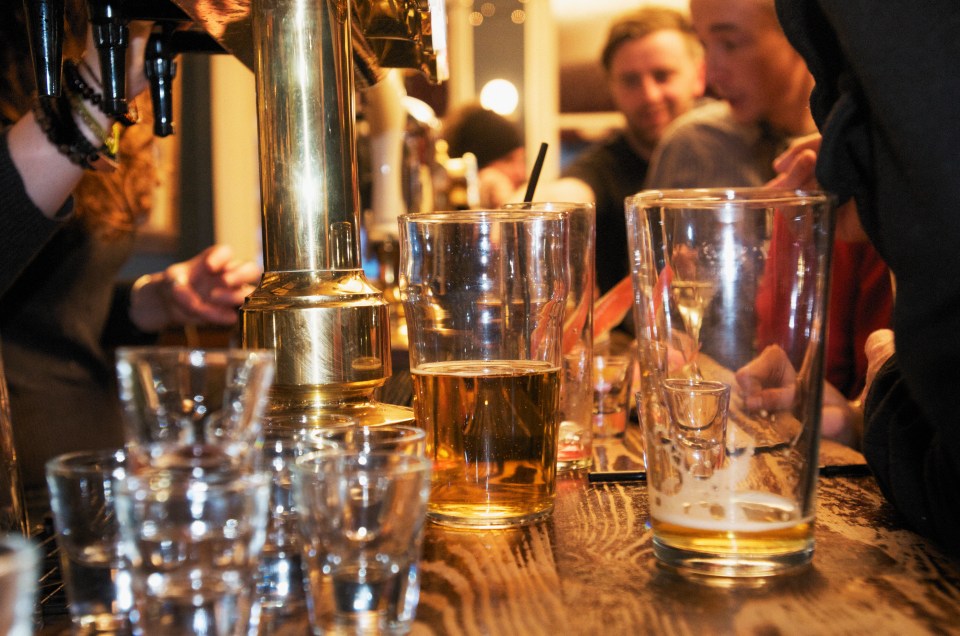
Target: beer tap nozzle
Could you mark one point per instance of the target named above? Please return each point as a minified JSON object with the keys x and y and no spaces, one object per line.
{"x":160,"y":69}
{"x":45,"y":26}
{"x":111,"y":35}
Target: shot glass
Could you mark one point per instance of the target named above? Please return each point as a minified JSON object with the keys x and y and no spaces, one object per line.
{"x":612,"y":375}
{"x":484,"y":293}
{"x":698,"y":410}
{"x":397,"y":438}
{"x":96,"y":576}
{"x":193,"y":544}
{"x":280,"y":575}
{"x":19,"y":569}
{"x":362,"y":520}
{"x":731,"y":294}
{"x":193,"y":409}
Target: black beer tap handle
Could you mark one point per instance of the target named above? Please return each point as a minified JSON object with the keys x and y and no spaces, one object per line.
{"x":160,"y":69}
{"x":111,"y":35}
{"x":45,"y":26}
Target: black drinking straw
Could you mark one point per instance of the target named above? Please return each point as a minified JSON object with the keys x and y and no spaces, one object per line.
{"x":535,"y":174}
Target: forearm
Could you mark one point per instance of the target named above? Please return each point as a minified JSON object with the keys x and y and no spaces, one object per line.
{"x":26,"y":229}
{"x":48,"y":176}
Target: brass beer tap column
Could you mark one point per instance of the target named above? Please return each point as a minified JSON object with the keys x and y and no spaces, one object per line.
{"x":314,"y":306}
{"x":327,"y":323}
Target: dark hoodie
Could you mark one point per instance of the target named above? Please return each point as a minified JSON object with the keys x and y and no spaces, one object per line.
{"x":887,"y":101}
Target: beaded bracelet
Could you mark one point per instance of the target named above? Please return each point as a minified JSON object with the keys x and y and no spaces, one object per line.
{"x":111,"y":140}
{"x":55,"y":119}
{"x":78,"y":85}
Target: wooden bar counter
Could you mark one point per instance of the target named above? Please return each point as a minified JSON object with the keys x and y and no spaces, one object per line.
{"x":589,"y":569}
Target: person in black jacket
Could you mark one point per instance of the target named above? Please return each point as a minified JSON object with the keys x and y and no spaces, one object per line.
{"x":885,"y":102}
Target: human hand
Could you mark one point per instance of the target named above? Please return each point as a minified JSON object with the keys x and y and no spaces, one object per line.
{"x":842,"y":419}
{"x":207,"y":289}
{"x":795,"y":166}
{"x":878,"y":347}
{"x":768,"y":382}
{"x":795,"y":169}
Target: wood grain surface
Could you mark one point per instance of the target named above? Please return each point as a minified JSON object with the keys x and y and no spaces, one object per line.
{"x":589,"y":569}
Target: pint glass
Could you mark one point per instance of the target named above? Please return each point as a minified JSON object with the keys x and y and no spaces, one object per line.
{"x":484,"y":295}
{"x":731,"y":292}
{"x":575,"y":439}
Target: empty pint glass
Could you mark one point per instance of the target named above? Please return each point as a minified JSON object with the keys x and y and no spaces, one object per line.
{"x":731,"y":297}
{"x":484,"y":294}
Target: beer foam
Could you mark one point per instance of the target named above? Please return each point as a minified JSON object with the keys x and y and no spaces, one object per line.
{"x":717,"y":503}
{"x":699,"y":516}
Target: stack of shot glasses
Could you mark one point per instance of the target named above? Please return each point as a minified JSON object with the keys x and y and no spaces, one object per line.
{"x":361,"y":494}
{"x":164,"y":535}
{"x":195,"y":526}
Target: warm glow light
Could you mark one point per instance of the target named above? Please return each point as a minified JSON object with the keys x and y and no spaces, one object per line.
{"x":500,"y":96}
{"x":518,"y":16}
{"x":475,"y":18}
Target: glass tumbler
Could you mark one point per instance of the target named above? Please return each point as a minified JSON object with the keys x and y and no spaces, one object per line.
{"x":484,"y":294}
{"x":731,"y":296}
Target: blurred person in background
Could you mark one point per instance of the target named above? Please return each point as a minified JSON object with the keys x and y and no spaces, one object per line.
{"x":765,"y":87}
{"x":654,"y":70}
{"x":61,"y":307}
{"x":498,"y":146}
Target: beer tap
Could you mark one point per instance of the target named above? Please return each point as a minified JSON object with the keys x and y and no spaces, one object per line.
{"x":111,"y":35}
{"x":327,"y":323}
{"x":45,"y":25}
{"x":160,"y":69}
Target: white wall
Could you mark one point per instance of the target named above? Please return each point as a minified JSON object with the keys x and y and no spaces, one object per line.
{"x":236,"y":176}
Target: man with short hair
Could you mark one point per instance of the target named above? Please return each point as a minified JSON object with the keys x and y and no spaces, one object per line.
{"x":654,"y":67}
{"x":765,"y":87}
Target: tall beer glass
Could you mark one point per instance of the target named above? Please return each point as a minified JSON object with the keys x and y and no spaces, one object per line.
{"x":731,"y":290}
{"x":575,"y":440}
{"x":484,"y":294}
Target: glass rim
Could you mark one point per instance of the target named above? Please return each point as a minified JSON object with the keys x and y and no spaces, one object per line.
{"x":549,"y":206}
{"x":172,"y":480}
{"x":409,"y":432}
{"x":309,"y":421}
{"x":487,"y":215}
{"x":178,"y":351}
{"x":309,"y":463}
{"x":758,"y":196}
{"x":87,"y":462}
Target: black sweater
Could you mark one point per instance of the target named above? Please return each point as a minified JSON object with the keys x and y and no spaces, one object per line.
{"x":887,"y":101}
{"x":60,"y":313}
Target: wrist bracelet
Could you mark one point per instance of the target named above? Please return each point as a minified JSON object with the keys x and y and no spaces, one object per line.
{"x":55,"y":119}
{"x":111,"y":140}
{"x":79,"y":86}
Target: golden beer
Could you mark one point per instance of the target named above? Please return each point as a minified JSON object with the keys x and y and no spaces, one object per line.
{"x":492,"y":434}
{"x":754,"y":530}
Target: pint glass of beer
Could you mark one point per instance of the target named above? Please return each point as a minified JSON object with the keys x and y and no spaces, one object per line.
{"x":575,"y":440}
{"x":731,"y":293}
{"x":484,"y":294}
